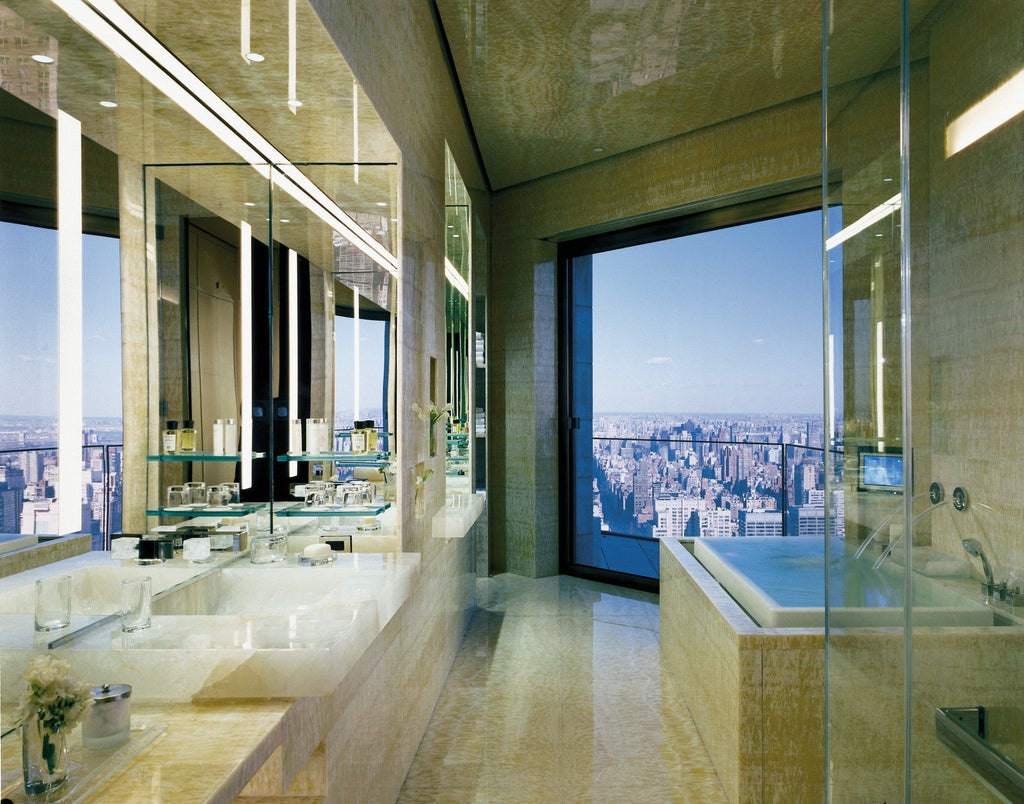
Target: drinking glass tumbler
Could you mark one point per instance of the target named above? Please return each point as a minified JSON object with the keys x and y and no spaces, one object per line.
{"x":136,"y":603}
{"x":53,"y":603}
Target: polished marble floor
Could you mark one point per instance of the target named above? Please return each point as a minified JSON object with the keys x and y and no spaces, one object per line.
{"x":556,"y":696}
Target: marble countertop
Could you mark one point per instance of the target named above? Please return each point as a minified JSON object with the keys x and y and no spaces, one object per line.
{"x":203,"y":752}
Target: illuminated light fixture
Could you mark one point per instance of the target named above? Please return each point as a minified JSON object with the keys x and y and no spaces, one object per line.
{"x":355,"y":355}
{"x":286,"y":220}
{"x":254,"y":58}
{"x":108,"y":104}
{"x":245,"y":285}
{"x":249,"y":203}
{"x":42,"y":58}
{"x":879,"y":385}
{"x":69,"y":324}
{"x":452,"y":274}
{"x":883,"y":210}
{"x":122,"y":34}
{"x":355,"y":132}
{"x":293,"y":102}
{"x":293,"y":352}
{"x":597,"y":150}
{"x":998,"y":107}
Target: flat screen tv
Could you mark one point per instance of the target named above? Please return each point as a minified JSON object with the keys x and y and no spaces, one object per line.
{"x":881,"y":471}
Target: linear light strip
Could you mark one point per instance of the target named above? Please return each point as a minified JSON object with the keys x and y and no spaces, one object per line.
{"x":245,"y":285}
{"x":452,"y":274}
{"x":293,"y":352}
{"x":111,"y":25}
{"x":998,"y":107}
{"x":245,"y":29}
{"x":883,"y":210}
{"x":355,"y":355}
{"x":880,"y":383}
{"x":292,"y":58}
{"x":69,"y":324}
{"x":355,"y":132}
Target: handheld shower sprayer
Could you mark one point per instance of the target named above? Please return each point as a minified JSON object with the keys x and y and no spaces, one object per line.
{"x":973,"y":548}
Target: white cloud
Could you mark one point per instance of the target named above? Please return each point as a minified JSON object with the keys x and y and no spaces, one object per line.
{"x":759,"y":341}
{"x":658,"y":361}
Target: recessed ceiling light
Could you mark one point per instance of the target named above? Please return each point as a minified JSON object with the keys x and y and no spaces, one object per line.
{"x":455,"y":235}
{"x":887,"y":178}
{"x":382,"y":203}
{"x":598,"y":150}
{"x":42,"y":58}
{"x":108,"y":104}
{"x":286,"y":220}
{"x":254,"y":57}
{"x":294,"y":103}
{"x":250,"y":203}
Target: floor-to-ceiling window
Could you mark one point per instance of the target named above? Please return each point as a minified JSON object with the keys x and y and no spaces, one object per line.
{"x":693,"y":390}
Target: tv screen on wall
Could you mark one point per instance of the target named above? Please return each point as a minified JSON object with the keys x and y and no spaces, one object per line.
{"x":881,"y":471}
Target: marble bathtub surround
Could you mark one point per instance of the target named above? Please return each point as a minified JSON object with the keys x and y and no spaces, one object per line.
{"x":746,"y":687}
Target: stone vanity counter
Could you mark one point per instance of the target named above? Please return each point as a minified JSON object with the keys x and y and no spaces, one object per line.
{"x":354,"y":730}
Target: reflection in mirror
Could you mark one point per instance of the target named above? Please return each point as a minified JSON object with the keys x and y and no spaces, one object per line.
{"x":247,"y":315}
{"x":459,"y":387}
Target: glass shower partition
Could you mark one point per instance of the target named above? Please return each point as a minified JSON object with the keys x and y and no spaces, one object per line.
{"x":924,"y":179}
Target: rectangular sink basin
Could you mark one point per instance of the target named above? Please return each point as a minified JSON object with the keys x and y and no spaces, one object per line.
{"x":242,"y":631}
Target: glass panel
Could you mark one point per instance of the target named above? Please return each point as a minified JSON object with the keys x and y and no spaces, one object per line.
{"x":925,"y":131}
{"x":865,"y":344}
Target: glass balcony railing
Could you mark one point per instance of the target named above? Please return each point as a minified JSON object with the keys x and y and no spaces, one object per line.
{"x":652,"y":488}
{"x":29,"y":491}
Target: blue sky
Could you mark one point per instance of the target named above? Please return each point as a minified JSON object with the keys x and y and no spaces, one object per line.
{"x":29,"y":316}
{"x":727,"y":321}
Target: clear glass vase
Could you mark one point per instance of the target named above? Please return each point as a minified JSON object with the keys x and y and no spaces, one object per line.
{"x":44,"y":759}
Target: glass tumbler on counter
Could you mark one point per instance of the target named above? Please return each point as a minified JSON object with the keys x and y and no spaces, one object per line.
{"x":136,"y":603}
{"x":268,"y":548}
{"x":53,"y":603}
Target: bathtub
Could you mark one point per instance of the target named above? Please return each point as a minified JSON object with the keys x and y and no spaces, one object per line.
{"x":747,"y":685}
{"x":780,"y":583}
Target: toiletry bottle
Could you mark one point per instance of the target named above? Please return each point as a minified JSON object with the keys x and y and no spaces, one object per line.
{"x":231,"y":436}
{"x":218,"y":436}
{"x":371,"y":436}
{"x":358,"y":437}
{"x":170,"y":438}
{"x":188,"y":436}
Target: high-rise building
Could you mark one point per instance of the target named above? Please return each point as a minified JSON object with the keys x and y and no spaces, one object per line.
{"x":760,"y":523}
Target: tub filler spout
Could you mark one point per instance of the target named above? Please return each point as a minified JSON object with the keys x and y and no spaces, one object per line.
{"x":892,"y":545}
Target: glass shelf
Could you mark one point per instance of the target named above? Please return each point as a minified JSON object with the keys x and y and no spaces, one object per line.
{"x":237,"y":509}
{"x":299,"y":509}
{"x":343,"y":458}
{"x":204,"y":457}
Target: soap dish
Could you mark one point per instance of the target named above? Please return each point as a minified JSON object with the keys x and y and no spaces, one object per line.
{"x":315,"y":561}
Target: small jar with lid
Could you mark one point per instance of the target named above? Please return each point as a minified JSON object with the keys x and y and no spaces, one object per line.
{"x":109,"y":720}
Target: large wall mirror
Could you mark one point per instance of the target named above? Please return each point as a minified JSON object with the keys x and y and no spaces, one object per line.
{"x":458,"y":332}
{"x":267,"y":324}
{"x":234,"y":266}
